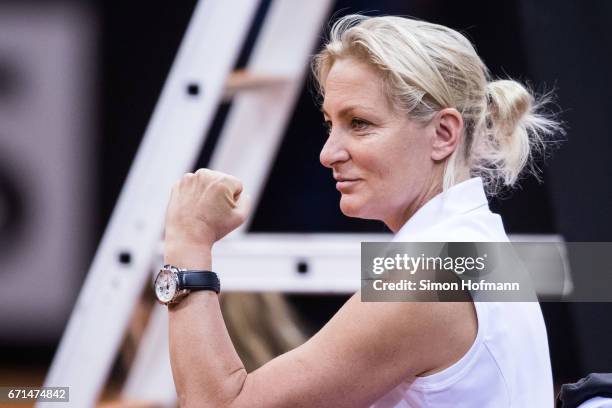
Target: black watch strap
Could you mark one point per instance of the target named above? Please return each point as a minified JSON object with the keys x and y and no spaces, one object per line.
{"x":199,"y":280}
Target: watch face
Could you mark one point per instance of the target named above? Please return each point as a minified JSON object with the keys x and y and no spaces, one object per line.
{"x":165,"y":286}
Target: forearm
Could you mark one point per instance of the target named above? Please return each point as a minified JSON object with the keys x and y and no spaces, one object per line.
{"x":206,"y":368}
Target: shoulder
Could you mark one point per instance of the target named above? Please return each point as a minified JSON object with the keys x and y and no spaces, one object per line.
{"x":423,"y":336}
{"x":362,"y":353}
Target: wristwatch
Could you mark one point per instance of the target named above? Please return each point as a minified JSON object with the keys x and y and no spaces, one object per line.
{"x":172,"y":284}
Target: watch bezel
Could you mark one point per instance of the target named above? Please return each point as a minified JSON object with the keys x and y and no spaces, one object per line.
{"x":179,"y":293}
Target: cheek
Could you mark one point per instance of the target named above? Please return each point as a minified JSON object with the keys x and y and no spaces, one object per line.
{"x":413,"y":157}
{"x":374,"y":160}
{"x":387,"y":169}
{"x":397,"y":173}
{"x":393,"y":171}
{"x":374,"y":193}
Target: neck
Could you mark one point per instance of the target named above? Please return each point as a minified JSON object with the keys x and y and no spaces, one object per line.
{"x":399,"y":219}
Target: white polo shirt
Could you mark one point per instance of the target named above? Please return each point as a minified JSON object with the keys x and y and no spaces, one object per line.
{"x":508,"y":365}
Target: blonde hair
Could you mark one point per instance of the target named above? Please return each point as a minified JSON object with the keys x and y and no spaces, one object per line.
{"x":428,"y":67}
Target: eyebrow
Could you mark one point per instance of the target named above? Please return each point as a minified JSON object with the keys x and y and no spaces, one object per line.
{"x":344,"y":111}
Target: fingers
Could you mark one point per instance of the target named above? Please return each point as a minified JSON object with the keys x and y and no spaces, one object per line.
{"x":227,"y":185}
{"x":207,"y":200}
{"x":226,"y":181}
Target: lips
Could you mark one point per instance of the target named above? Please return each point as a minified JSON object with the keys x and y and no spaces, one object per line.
{"x":345,"y":184}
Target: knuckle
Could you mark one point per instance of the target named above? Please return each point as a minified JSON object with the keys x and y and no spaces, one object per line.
{"x":202,"y":172}
{"x":208,"y":177}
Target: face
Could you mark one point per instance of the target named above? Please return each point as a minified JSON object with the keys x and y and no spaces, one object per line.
{"x":380,"y":158}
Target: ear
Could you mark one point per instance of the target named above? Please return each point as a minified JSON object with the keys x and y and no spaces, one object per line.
{"x":448,"y":125}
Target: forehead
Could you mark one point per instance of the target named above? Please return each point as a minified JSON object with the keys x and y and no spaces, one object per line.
{"x":353,"y":83}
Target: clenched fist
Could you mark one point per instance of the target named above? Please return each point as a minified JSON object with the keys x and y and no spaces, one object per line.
{"x":204,"y":207}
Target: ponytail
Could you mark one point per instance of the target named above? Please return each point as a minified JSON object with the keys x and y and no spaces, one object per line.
{"x":516,"y":128}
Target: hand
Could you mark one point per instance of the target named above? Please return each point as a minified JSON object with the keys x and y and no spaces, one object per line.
{"x":203,"y":208}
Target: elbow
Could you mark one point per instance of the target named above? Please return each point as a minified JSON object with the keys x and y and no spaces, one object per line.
{"x":225,"y":394}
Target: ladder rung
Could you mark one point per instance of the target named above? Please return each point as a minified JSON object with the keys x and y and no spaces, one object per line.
{"x":244,"y":80}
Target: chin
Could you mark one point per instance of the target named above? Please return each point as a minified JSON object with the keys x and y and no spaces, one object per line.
{"x":355,"y":208}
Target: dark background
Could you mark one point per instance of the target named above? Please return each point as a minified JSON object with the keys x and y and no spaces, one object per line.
{"x":565,"y":45}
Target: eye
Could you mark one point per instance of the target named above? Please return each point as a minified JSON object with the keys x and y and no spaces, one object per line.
{"x":359,"y":124}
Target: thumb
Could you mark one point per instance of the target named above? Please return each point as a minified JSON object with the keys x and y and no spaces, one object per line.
{"x":243,"y":205}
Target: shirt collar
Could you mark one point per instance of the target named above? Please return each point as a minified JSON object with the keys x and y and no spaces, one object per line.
{"x":459,"y":199}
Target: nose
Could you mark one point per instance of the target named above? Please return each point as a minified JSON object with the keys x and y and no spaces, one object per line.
{"x":333,"y":151}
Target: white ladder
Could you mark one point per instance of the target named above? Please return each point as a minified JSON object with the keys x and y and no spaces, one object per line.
{"x":170,"y":147}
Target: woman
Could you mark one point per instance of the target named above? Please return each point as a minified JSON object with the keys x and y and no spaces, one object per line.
{"x":417,"y":132}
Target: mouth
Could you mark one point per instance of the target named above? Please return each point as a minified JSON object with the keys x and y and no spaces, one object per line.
{"x":345,"y":185}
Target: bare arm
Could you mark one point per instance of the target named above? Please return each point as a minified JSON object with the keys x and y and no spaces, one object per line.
{"x":364,"y":351}
{"x":205,"y":366}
